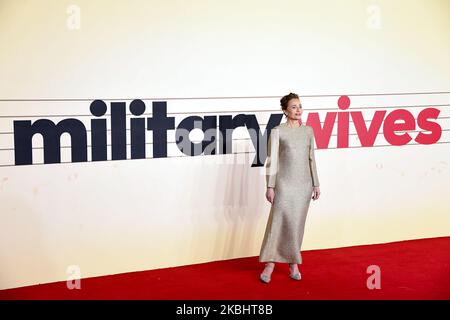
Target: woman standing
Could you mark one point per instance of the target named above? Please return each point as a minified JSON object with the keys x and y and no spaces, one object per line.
{"x":291,"y":178}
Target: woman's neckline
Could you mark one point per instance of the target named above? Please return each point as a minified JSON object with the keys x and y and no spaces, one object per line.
{"x":286,"y":125}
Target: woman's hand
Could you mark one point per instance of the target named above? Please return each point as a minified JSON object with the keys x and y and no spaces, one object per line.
{"x":270,"y":195}
{"x":316,"y":193}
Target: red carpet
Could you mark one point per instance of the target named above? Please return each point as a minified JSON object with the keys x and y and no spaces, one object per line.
{"x":415,"y":269}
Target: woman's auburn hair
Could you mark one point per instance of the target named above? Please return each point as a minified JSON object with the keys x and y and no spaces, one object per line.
{"x":284,"y":101}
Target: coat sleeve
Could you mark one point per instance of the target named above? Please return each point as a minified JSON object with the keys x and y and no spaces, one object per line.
{"x":272,"y":158}
{"x":312,"y":162}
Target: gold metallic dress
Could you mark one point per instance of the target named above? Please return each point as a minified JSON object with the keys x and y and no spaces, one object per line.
{"x":291,"y":171}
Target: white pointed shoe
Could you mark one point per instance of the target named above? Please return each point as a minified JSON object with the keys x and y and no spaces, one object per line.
{"x":264,"y":278}
{"x":296,"y":276}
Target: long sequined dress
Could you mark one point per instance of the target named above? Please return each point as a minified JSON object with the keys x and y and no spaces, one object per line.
{"x":291,"y":171}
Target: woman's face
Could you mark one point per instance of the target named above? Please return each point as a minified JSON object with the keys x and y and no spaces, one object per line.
{"x":294,"y":109}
